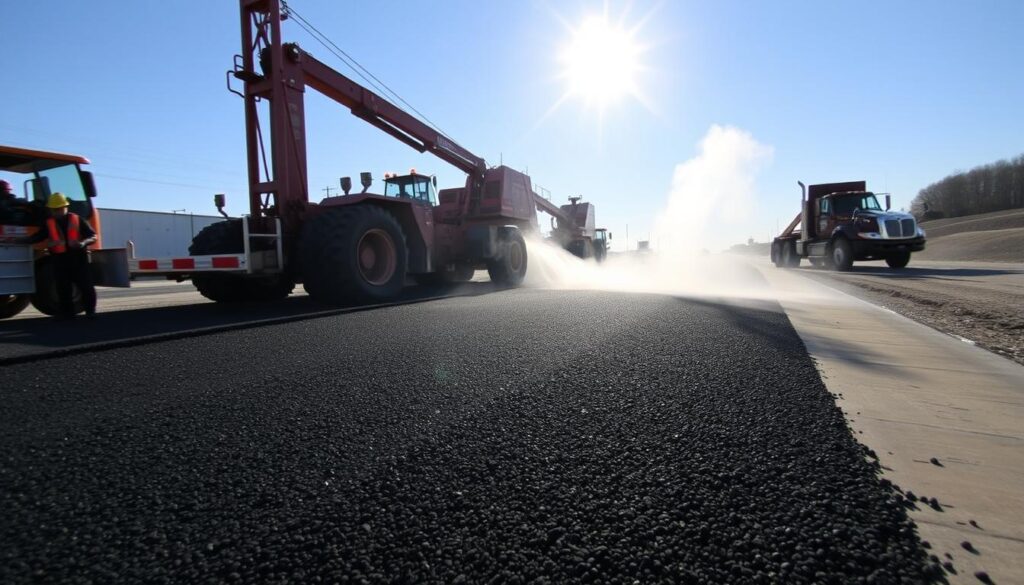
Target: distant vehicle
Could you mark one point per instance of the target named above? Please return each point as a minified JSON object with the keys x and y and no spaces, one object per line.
{"x":26,"y":272}
{"x":842,"y":222}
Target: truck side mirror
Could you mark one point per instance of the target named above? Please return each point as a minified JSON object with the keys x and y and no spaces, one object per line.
{"x":89,"y":184}
{"x":888,"y":202}
{"x":433,"y":179}
{"x":40,"y":189}
{"x":609,"y":235}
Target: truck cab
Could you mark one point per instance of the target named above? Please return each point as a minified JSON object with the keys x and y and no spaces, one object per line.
{"x":26,"y":273}
{"x":41,"y":173}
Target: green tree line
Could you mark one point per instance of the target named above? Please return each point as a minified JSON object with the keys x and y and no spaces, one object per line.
{"x":992,"y":187}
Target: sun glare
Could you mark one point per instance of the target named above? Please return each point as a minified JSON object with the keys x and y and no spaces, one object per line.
{"x":601,"y":62}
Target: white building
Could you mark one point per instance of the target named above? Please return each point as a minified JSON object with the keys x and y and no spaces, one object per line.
{"x":155,"y":234}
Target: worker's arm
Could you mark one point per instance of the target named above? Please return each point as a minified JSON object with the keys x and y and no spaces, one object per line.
{"x":87,"y":235}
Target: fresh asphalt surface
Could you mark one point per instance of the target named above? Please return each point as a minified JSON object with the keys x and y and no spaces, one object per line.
{"x":514,"y":436}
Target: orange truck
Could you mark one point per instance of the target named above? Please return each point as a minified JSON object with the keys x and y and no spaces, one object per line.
{"x":26,"y":273}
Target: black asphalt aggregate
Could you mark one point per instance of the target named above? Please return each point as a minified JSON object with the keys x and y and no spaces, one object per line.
{"x":517,"y":437}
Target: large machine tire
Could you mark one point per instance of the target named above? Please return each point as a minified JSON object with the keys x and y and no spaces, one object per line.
{"x":225,"y":237}
{"x":898,"y":260}
{"x":840,"y":255}
{"x":508,"y":268}
{"x":11,"y":305}
{"x":45,"y":298}
{"x":353,"y":254}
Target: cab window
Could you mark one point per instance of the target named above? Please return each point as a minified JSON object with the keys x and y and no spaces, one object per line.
{"x":417,"y":187}
{"x":65,"y":179}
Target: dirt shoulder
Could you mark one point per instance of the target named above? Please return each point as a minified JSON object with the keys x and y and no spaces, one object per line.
{"x":980,"y":302}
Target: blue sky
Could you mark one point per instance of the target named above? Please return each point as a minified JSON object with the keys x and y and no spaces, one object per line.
{"x":897,"y":93}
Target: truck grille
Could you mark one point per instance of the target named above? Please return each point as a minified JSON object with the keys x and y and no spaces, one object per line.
{"x":897,"y":228}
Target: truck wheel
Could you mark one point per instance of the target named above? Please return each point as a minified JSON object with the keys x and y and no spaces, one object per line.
{"x":789,"y":257}
{"x":776,"y":254}
{"x":509,"y":267}
{"x":354,"y":254}
{"x":45,"y":298}
{"x":11,"y":305}
{"x":898,"y":260}
{"x":225,"y":237}
{"x":840,"y":255}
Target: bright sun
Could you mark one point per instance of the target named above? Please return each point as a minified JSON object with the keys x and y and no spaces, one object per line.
{"x":601,"y":63}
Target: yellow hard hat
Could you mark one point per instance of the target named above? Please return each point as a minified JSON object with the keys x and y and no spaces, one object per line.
{"x":56,"y":201}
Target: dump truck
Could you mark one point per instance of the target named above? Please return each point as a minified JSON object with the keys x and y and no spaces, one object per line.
{"x":842,"y":222}
{"x":26,"y":271}
{"x":359,"y":246}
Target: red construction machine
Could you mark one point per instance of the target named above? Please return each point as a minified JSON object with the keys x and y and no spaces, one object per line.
{"x":357,"y":246}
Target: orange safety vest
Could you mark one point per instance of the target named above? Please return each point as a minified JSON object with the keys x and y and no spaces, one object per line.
{"x":61,"y":246}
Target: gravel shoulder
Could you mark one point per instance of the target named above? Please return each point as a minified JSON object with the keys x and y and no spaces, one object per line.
{"x":978,"y":301}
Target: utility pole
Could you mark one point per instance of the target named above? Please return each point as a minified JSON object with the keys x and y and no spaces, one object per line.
{"x":627,"y":237}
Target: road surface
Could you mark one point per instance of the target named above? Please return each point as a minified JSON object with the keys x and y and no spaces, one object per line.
{"x":511,"y":436}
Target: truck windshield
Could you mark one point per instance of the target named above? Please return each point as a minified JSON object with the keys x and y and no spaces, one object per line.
{"x":847,"y":205}
{"x":65,"y":179}
{"x":416,"y":187}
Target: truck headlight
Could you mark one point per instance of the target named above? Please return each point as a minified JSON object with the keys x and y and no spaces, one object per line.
{"x":870,"y":235}
{"x":920,"y":232}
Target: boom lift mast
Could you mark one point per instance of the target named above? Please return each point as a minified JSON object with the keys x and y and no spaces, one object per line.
{"x":286,"y":71}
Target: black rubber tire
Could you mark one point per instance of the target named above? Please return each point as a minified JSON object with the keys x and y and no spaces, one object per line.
{"x":11,"y":305}
{"x":45,"y":298}
{"x":226,"y":238}
{"x":508,"y":268}
{"x":789,"y":257}
{"x":329,"y":250}
{"x":600,"y":252}
{"x":840,"y":255}
{"x":898,"y":260}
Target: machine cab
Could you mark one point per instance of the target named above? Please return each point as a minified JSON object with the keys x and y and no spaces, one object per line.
{"x":419,"y":188}
{"x":39,"y":174}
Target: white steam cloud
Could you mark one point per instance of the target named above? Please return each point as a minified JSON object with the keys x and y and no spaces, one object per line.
{"x":713,"y":198}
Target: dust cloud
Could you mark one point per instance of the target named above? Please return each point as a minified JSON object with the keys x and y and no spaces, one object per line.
{"x":710,"y":197}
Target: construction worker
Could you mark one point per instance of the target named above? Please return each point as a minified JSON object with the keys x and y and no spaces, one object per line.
{"x":6,"y":191}
{"x":67,"y":238}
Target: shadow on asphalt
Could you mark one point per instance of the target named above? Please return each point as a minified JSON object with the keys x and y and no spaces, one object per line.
{"x":912,"y":272}
{"x":24,"y":337}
